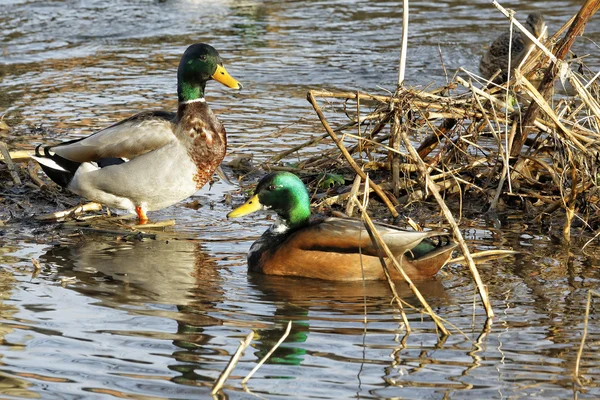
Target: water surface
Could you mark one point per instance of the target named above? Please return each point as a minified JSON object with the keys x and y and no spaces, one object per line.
{"x":161,"y":318}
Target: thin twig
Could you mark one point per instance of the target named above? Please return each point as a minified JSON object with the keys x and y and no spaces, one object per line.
{"x":583,"y":335}
{"x":232,"y":363}
{"x":404,"y":42}
{"x":80,"y":209}
{"x":448,"y":214}
{"x":380,"y":243}
{"x":266,"y":357}
{"x":9,"y":163}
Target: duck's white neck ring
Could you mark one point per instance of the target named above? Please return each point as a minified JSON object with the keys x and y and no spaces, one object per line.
{"x":198,"y":100}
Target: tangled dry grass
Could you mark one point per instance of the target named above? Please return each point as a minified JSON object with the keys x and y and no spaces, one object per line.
{"x":526,"y":144}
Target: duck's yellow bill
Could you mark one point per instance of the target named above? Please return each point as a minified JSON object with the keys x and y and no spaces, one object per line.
{"x":252,"y":205}
{"x":221,"y":75}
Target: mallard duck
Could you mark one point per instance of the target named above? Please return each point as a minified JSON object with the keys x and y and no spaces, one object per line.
{"x":155,"y":158}
{"x":496,"y":58}
{"x":331,"y":248}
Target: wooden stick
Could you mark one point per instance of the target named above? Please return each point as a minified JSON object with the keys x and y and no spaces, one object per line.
{"x":32,"y":169}
{"x":266,"y":357}
{"x":232,"y":363}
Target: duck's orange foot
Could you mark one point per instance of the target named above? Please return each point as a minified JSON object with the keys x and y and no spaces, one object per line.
{"x":141,"y":213}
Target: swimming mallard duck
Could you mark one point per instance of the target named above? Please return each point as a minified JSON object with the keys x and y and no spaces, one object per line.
{"x":153,"y":159}
{"x":331,"y":248}
{"x":496,"y":57}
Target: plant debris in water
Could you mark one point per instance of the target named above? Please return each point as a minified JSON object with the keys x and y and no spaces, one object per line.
{"x":472,"y":142}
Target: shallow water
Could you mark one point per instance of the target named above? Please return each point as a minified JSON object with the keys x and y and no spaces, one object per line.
{"x":161,"y":318}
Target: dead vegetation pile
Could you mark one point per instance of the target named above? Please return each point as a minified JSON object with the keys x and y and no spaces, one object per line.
{"x":527,"y":145}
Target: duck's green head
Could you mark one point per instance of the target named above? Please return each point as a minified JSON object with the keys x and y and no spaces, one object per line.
{"x":282,"y":192}
{"x":199,"y":64}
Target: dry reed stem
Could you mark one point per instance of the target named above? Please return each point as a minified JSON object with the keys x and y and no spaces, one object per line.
{"x":36,"y":265}
{"x":80,"y":209}
{"x":569,"y":206}
{"x":266,"y":357}
{"x":584,"y":335}
{"x":455,"y":229}
{"x":391,"y":284}
{"x":231,"y":364}
{"x":347,"y":155}
{"x":353,"y":193}
{"x":14,"y":174}
{"x":404,"y":48}
{"x":543,"y":104}
{"x":486,"y":254}
{"x":393,"y":155}
{"x":381,"y":245}
{"x":588,"y":9}
{"x":19,"y":156}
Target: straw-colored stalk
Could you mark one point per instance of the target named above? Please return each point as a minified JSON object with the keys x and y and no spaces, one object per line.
{"x":231,"y":364}
{"x":588,"y":9}
{"x":576,"y":375}
{"x":10,"y":164}
{"x":266,"y":357}
{"x":455,"y":229}
{"x":381,"y":245}
{"x":71,"y":212}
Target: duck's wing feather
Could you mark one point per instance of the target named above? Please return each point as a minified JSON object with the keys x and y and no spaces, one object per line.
{"x":345,"y":235}
{"x":127,"y":139}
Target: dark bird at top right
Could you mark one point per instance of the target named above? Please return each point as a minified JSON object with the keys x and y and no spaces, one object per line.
{"x":496,"y":58}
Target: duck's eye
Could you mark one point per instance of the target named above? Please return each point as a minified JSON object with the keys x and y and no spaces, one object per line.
{"x":202,"y":58}
{"x":272,"y":187}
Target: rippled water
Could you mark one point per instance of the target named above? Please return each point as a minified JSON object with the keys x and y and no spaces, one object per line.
{"x":161,"y":318}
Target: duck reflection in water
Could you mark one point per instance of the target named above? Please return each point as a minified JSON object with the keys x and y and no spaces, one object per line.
{"x":173,"y":279}
{"x":138,"y":271}
{"x":295,"y":298}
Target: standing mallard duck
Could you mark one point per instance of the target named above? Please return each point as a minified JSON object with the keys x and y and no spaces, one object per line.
{"x":496,"y":57}
{"x":331,"y":248}
{"x":153,"y":159}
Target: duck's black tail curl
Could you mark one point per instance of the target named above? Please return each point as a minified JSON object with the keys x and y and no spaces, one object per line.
{"x":59,"y":169}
